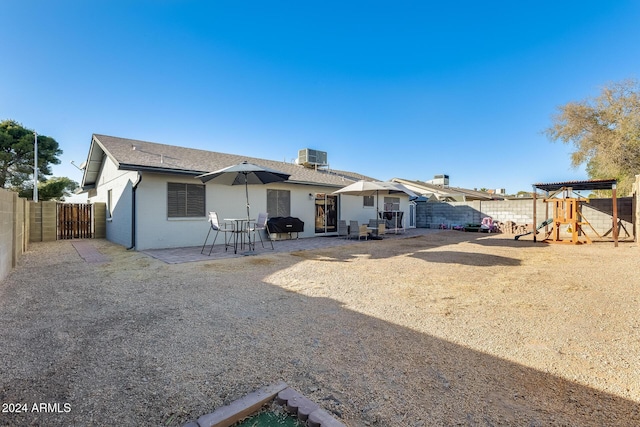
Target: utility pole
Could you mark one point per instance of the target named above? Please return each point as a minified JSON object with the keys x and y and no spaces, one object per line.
{"x":35,"y":167}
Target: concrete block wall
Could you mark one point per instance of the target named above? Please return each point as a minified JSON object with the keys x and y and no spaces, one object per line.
{"x":518,"y":211}
{"x":43,"y":221}
{"x":431,"y":215}
{"x":20,"y":228}
{"x":35,"y":221}
{"x":452,"y":213}
{"x":6,"y":231}
{"x":14,"y":233}
{"x":602,"y":222}
{"x":99,"y":220}
{"x":421,"y":215}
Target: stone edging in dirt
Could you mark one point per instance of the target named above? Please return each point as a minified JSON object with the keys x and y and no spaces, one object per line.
{"x":305,"y":409}
{"x":292,"y":401}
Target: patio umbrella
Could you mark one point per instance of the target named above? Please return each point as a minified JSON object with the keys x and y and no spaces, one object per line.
{"x":371,"y":188}
{"x":244,"y":173}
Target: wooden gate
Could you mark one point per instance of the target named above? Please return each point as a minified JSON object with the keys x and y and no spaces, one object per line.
{"x":75,"y":220}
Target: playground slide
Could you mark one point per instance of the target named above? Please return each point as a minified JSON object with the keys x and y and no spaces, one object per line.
{"x":543,"y":224}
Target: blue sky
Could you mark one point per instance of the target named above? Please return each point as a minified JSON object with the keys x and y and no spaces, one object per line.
{"x":387,"y":89}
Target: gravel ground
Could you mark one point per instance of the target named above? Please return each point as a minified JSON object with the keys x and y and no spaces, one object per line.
{"x":445,"y":329}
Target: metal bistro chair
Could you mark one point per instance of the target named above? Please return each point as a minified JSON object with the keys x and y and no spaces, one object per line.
{"x":258,"y":227}
{"x":214,"y":225}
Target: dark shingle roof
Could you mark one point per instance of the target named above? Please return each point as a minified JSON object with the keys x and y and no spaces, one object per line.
{"x":130,"y":154}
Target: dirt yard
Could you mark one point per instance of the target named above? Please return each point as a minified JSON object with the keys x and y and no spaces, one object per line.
{"x":446,"y":329}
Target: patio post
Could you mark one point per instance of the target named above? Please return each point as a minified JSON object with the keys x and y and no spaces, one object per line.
{"x":615,"y":214}
{"x":534,"y":213}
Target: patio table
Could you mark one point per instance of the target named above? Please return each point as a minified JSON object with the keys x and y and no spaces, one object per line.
{"x":373,"y":233}
{"x":240,"y":229}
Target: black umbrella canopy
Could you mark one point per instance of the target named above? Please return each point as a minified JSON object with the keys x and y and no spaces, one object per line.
{"x":244,"y":173}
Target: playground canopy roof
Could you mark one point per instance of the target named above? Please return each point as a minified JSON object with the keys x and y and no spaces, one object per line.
{"x":594,"y":184}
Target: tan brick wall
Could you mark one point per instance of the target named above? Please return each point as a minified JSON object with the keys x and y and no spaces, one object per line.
{"x":35,"y":220}
{"x":50,"y":226}
{"x":13,"y":230}
{"x":42,"y":222}
{"x":26,"y":224}
{"x":6,"y":232}
{"x":18,"y":228}
{"x":43,"y":227}
{"x":100,"y":220}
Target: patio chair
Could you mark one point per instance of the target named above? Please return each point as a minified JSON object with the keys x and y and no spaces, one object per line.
{"x":214,"y":225}
{"x":353,"y":229}
{"x":258,"y":227}
{"x":381,"y":229}
{"x":363,"y":231}
{"x":342,"y":228}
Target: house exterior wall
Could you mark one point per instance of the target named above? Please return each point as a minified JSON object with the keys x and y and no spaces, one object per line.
{"x":154,"y":230}
{"x":352,"y":208}
{"x":118,"y":221}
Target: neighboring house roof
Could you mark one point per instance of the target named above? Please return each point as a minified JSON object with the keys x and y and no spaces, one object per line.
{"x":134,"y":155}
{"x":445,"y":193}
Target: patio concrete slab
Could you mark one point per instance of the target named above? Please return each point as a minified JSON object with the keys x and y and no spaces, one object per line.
{"x":192,"y":254}
{"x":88,"y":252}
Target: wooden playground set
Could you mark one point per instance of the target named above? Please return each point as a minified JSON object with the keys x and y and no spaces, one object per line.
{"x":568,"y":224}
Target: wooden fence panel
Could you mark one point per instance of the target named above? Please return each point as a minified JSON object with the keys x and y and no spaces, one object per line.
{"x":75,"y":221}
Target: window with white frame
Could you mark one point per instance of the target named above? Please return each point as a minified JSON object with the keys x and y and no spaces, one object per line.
{"x":185,"y":200}
{"x":368,"y":201}
{"x":391,"y":204}
{"x":278,"y":203}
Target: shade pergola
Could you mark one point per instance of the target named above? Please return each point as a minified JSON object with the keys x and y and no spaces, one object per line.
{"x":594,"y":184}
{"x":589,"y":185}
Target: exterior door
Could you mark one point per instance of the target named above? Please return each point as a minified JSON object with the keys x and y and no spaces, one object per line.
{"x":412,"y":215}
{"x":326,"y":218}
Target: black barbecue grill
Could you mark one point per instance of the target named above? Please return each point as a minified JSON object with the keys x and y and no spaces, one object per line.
{"x":285,"y":224}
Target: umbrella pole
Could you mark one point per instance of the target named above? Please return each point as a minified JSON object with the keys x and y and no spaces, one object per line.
{"x":246,"y":192}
